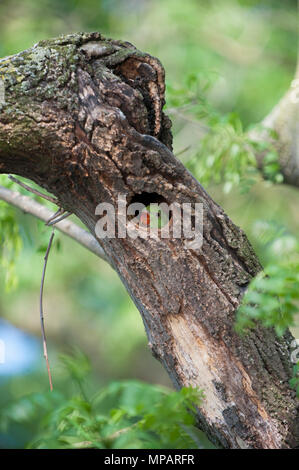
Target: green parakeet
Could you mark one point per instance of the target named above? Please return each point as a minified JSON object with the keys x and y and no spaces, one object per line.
{"x":153,"y":216}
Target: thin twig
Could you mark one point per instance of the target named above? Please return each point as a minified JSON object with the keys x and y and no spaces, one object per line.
{"x":34,"y":191}
{"x":63,"y":215}
{"x":67,"y":227}
{"x":57,"y":213}
{"x":42,"y":312}
{"x":180,"y":152}
{"x":188,"y":117}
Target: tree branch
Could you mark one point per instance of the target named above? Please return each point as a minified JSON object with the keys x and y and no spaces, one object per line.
{"x":284,"y":120}
{"x":72,"y":230}
{"x":83,"y":118}
{"x":41,"y":310}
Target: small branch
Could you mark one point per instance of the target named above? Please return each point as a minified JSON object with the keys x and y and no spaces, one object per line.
{"x":58,"y":218}
{"x":283,"y":119}
{"x":42,"y":312}
{"x":33,"y":191}
{"x":72,"y":230}
{"x":180,"y":113}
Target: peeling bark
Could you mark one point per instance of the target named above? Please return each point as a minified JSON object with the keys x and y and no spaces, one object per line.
{"x":83,"y":118}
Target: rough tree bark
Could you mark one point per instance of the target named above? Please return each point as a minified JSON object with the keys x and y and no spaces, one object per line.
{"x":83,"y":118}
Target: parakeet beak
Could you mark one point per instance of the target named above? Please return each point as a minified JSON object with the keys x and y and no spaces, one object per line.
{"x":145,"y":218}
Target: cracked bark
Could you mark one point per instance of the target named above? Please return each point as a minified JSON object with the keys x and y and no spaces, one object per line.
{"x":83,"y":118}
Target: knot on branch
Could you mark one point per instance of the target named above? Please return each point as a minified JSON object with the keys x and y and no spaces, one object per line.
{"x":129,"y":80}
{"x":42,"y":109}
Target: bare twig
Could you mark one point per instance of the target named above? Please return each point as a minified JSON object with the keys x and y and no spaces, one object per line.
{"x":41,"y":309}
{"x":54,"y":216}
{"x":72,"y":230}
{"x":58,"y":218}
{"x":179,"y":112}
{"x":28,"y":205}
{"x":31,"y":190}
{"x":180,"y":152}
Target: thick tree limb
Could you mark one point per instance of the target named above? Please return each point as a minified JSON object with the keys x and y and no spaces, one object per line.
{"x":83,"y":119}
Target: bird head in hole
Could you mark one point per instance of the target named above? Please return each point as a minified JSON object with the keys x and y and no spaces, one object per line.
{"x":153,"y":216}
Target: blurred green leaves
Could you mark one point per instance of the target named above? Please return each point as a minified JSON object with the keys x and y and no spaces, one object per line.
{"x":127,"y":414}
{"x":77,"y":365}
{"x":10,"y":243}
{"x":294,"y":381}
{"x":225,"y":155}
{"x":190,"y":96}
{"x":272,"y":297}
{"x":14,"y":235}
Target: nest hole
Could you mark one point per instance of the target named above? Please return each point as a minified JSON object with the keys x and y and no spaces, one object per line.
{"x":147,"y":199}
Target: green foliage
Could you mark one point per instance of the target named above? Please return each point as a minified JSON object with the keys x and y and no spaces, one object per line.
{"x":272,"y":297}
{"x":10,"y":243}
{"x":127,"y":414}
{"x":270,"y":166}
{"x":225,"y":155}
{"x":294,"y":382}
{"x":191,"y":96}
{"x":13,"y":235}
{"x":77,"y":364}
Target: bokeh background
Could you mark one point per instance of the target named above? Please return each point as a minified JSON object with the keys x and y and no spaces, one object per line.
{"x":245,"y":52}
